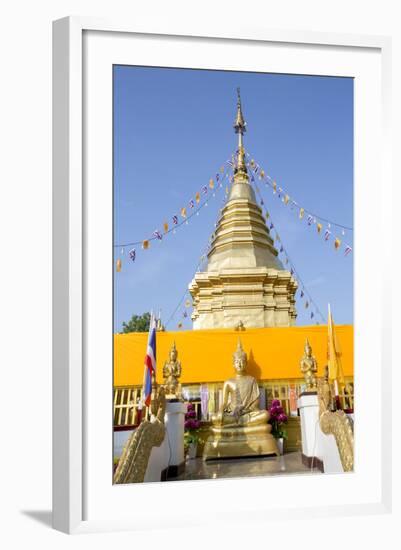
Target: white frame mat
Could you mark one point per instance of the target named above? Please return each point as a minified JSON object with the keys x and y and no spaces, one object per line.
{"x":84,"y":49}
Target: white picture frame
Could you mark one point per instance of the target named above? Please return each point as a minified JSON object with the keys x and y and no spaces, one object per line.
{"x":74,"y":210}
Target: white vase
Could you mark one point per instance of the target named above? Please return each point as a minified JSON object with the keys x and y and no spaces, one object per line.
{"x":192,"y":450}
{"x":280,"y":445}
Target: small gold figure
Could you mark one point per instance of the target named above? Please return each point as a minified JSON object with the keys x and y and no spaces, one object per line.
{"x":240,"y":325}
{"x":309,"y":367}
{"x":171,"y":374}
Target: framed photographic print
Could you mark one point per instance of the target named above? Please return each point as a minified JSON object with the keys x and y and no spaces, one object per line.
{"x":217,"y":199}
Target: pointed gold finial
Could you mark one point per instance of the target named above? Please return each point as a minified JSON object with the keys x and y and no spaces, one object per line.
{"x":239,"y":124}
{"x":240,"y":129}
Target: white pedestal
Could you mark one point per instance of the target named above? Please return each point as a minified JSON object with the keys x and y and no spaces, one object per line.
{"x":174,"y":421}
{"x":309,"y":412}
{"x":314,"y":442}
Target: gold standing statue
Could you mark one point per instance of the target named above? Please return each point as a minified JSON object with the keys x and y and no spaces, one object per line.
{"x":309,"y":368}
{"x":171,"y":374}
{"x":240,"y":428}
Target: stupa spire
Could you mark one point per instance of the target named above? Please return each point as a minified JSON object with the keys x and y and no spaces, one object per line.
{"x":240,"y":129}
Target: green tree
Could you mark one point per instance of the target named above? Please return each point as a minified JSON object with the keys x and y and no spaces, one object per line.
{"x":137,"y":323}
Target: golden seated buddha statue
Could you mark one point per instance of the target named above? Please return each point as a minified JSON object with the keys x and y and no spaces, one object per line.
{"x":240,"y":428}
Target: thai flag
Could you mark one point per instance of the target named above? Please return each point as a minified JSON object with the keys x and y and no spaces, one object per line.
{"x":204,"y":189}
{"x":191,"y":203}
{"x":157,"y":234}
{"x":150,"y":363}
{"x":175,"y":220}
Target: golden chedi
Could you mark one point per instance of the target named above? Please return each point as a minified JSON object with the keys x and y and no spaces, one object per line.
{"x":309,"y":368}
{"x":244,"y":280}
{"x":171,"y":374}
{"x":240,"y":428}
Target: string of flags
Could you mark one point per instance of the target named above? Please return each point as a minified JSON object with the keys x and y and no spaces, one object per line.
{"x":305,"y":296}
{"x":323,"y":226}
{"x":193,"y":208}
{"x":185,"y":313}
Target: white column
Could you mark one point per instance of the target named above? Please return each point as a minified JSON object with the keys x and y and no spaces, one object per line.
{"x":309,"y":412}
{"x":174,"y":421}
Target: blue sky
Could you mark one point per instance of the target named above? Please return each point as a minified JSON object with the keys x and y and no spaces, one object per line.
{"x":172,"y":132}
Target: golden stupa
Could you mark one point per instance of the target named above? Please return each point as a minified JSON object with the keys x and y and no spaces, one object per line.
{"x":245,"y":281}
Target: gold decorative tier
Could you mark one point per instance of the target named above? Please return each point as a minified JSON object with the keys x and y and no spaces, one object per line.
{"x":244,"y":279}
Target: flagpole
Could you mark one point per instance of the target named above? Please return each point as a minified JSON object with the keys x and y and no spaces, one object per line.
{"x":141,"y":402}
{"x":335,"y":381}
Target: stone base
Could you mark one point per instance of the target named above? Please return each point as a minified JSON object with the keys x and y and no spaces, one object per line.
{"x":240,"y":446}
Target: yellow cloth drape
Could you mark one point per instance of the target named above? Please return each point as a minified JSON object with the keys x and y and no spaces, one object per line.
{"x":334,"y":354}
{"x":206,"y":355}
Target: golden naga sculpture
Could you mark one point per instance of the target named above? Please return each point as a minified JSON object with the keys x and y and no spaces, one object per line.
{"x":171,"y":374}
{"x":336,"y":423}
{"x":240,"y":428}
{"x":134,"y":460}
{"x":309,"y":367}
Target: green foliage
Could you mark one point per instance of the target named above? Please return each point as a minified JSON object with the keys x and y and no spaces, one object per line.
{"x":137,"y":323}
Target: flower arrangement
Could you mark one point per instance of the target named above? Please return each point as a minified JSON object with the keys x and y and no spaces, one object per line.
{"x":277,"y":419}
{"x":191,"y":426}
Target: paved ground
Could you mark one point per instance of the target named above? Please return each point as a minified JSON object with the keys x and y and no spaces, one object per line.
{"x":290,"y":463}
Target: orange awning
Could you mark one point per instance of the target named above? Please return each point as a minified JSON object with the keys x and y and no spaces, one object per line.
{"x":206,"y":355}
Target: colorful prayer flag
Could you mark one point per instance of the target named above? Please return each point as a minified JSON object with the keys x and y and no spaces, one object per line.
{"x":197,"y":197}
{"x":157,"y":234}
{"x":191,"y":203}
{"x":165,"y":227}
{"x":175,"y":220}
{"x":337,"y":243}
{"x":211,"y":182}
{"x":184,"y":212}
{"x":132,"y":254}
{"x":310,"y":219}
{"x":327,"y":234}
{"x":319,"y":227}
{"x":145,"y":244}
{"x":204,"y":190}
{"x":348,"y":249}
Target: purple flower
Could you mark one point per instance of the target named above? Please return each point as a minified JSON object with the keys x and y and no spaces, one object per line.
{"x":188,"y":424}
{"x":190,"y":414}
{"x":190,"y":407}
{"x":276,"y":403}
{"x":282,"y":418}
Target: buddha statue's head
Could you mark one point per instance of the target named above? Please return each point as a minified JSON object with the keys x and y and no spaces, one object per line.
{"x":308,"y":349}
{"x":240,"y":359}
{"x":173,"y":353}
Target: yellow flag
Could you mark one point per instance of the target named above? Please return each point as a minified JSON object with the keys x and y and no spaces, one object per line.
{"x":286,"y":199}
{"x":334,"y":354}
{"x":262,"y":173}
{"x":211,"y":183}
{"x":165,"y":227}
{"x":145,"y":245}
{"x":301,"y":213}
{"x":184,"y":212}
{"x":274,"y":186}
{"x":319,"y":227}
{"x":118,"y":265}
{"x":337,"y":243}
{"x":197,"y":197}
